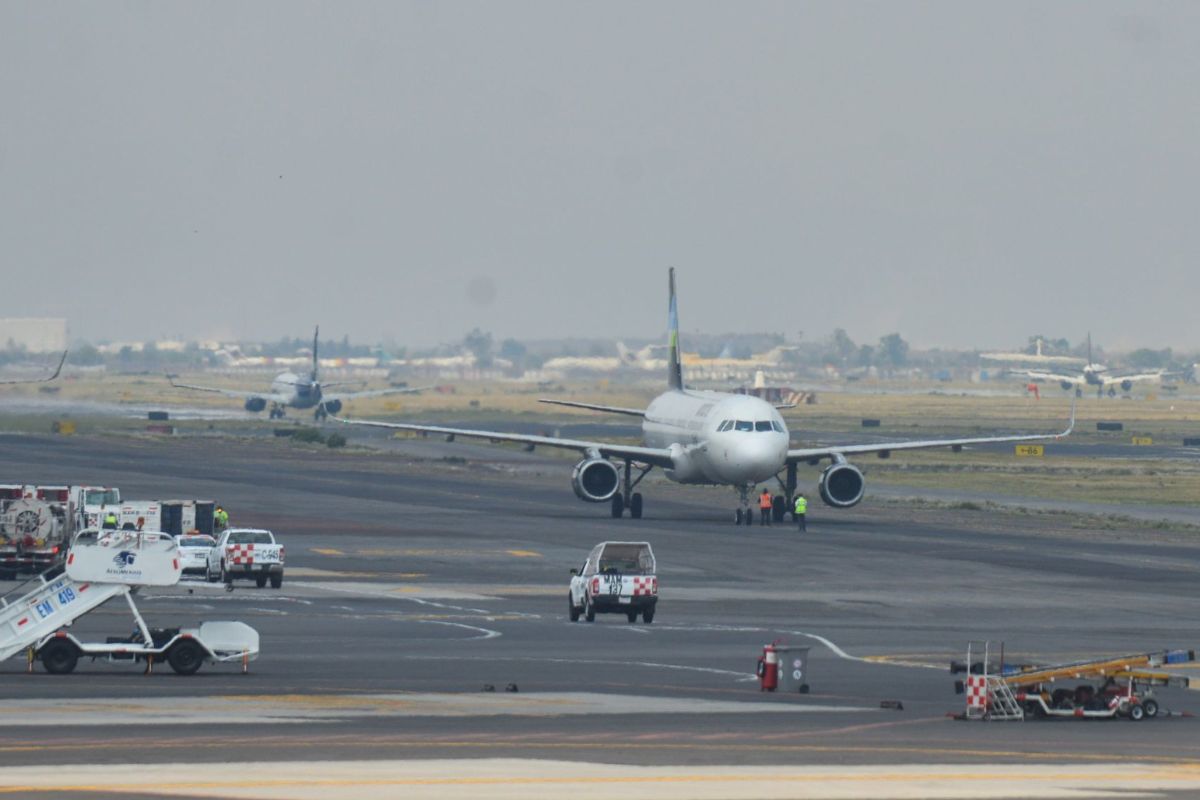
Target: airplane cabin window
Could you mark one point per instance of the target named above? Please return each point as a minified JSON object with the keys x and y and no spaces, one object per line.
{"x":763,"y":425}
{"x":743,"y":425}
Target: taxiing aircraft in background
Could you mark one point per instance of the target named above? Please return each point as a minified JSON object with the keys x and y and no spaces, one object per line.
{"x":1092,"y":374}
{"x":706,"y":437}
{"x":290,"y":390}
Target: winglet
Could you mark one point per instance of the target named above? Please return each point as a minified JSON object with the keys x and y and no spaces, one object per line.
{"x":58,"y":369}
{"x":1071,"y":423}
{"x":674,"y":368}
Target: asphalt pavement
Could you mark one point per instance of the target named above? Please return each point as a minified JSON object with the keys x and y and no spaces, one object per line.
{"x":414,"y":583}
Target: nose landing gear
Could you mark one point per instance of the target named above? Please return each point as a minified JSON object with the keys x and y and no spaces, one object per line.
{"x":276,"y":411}
{"x":743,"y":514}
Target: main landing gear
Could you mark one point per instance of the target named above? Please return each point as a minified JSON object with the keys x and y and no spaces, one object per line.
{"x":320,"y":414}
{"x":626,"y":497}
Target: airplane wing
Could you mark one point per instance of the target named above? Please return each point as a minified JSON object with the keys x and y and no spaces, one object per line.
{"x":632,"y":412}
{"x":659,"y":457}
{"x":834,"y":451}
{"x":275,"y":398}
{"x":57,"y":370}
{"x":374,"y":393}
{"x":1050,"y":377}
{"x":1112,"y":380}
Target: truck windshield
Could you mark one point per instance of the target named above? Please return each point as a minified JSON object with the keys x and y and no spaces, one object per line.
{"x":250,"y":537}
{"x":102,"y":497}
{"x":627,"y":559}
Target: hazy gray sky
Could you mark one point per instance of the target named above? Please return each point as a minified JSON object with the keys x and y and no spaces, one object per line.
{"x":966,"y":173}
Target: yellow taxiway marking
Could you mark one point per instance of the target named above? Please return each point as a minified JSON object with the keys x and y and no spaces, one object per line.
{"x":328,"y":551}
{"x":524,"y":553}
{"x":1129,"y":775}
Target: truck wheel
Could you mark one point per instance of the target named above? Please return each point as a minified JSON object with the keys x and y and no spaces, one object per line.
{"x":276,"y":580}
{"x":589,"y":610}
{"x":225,"y":575}
{"x":59,"y":657}
{"x":210,"y":576}
{"x":260,"y":581}
{"x":185,"y":657}
{"x":572,"y":609}
{"x":1137,"y":713}
{"x":632,"y":616}
{"x":648,"y":615}
{"x":1151,"y":708}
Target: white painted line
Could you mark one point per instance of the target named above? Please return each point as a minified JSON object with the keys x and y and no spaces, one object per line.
{"x":487,"y":634}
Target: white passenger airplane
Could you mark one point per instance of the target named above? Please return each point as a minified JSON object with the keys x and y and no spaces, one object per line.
{"x":1091,"y":374}
{"x":57,"y":370}
{"x":707,"y":438}
{"x":290,"y":390}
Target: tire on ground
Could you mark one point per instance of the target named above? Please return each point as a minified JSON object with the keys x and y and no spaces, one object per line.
{"x":186,"y":656}
{"x":59,"y":656}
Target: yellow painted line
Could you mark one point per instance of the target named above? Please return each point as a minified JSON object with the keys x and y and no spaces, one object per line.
{"x":328,"y":551}
{"x":1119,"y":777}
{"x":524,"y":553}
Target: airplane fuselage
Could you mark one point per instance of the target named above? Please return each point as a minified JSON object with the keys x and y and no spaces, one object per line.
{"x":717,"y":438}
{"x":301,"y":392}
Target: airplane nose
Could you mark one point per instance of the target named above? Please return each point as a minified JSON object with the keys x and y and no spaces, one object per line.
{"x":753,"y":459}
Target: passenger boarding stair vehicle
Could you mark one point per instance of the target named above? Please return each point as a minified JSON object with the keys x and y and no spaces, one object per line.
{"x":1116,"y":686}
{"x":102,"y":565}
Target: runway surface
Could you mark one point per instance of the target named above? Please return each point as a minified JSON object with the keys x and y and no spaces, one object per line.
{"x":413,"y":583}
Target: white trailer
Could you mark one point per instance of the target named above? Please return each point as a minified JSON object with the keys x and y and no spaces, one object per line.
{"x":102,"y":565}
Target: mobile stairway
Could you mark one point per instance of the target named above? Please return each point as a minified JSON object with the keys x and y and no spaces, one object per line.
{"x":102,"y":565}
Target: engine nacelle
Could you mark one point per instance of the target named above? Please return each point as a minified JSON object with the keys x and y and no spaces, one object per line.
{"x":841,"y":485}
{"x":333,"y":406}
{"x":595,"y":480}
{"x":1066,"y":385}
{"x":256,"y":404}
{"x":1126,"y":386}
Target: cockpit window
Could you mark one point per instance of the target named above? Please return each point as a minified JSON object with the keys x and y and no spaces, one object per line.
{"x":743,"y":425}
{"x":725,"y":425}
{"x":763,"y":425}
{"x":777,"y":425}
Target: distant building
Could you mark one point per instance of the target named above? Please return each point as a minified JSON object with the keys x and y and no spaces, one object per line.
{"x":33,"y":335}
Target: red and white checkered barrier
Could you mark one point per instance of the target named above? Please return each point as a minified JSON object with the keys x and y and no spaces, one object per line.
{"x":977,"y":692}
{"x":239,"y":554}
{"x":645,"y":586}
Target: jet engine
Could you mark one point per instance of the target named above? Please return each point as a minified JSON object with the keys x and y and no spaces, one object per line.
{"x":1066,"y":385}
{"x":256,"y":404}
{"x":841,"y":485}
{"x":1126,"y":386}
{"x":333,"y":406}
{"x":595,"y":480}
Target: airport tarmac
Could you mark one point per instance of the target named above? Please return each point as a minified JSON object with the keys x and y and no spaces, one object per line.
{"x":413,"y":583}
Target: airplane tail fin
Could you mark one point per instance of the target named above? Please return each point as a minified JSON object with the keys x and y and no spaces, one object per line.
{"x":674,"y":368}
{"x":316,"y":343}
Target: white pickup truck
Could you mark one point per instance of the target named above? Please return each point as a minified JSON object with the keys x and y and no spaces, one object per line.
{"x":616,"y":578}
{"x":246,"y":553}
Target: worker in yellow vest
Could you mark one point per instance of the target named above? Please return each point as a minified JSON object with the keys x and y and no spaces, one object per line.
{"x":799,"y":512}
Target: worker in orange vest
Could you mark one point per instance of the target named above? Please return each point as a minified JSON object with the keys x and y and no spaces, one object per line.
{"x":764,"y":508}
